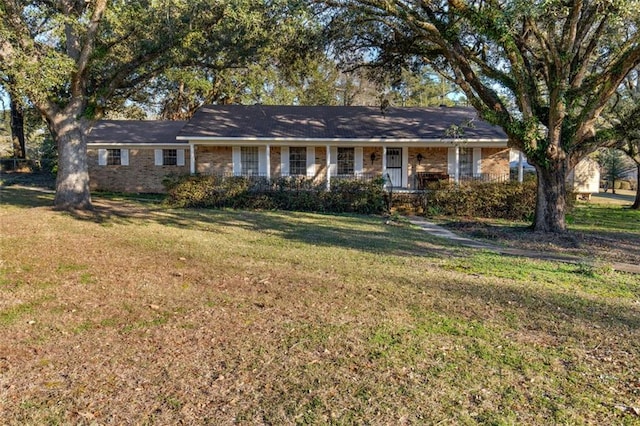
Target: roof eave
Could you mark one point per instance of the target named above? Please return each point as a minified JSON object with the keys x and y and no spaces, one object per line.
{"x":327,"y":141}
{"x":138,"y":145}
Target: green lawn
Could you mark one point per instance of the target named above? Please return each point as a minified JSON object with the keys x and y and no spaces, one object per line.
{"x":142,"y":315}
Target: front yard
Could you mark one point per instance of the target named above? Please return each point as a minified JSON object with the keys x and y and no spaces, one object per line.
{"x":137,"y":314}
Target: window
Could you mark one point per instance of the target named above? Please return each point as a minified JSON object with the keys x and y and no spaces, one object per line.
{"x":114,"y":157}
{"x":345,"y":161}
{"x":169,"y":157}
{"x":297,"y":161}
{"x":466,"y":162}
{"x":249,"y":160}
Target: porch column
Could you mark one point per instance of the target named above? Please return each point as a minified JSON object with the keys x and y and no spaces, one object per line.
{"x":328,"y":168}
{"x":192,"y":159}
{"x":456,"y":173}
{"x":384,"y":161}
{"x":520,"y":167}
{"x":268,"y":160}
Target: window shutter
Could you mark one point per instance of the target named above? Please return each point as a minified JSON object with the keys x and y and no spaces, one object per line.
{"x":158,"y":156}
{"x":477,"y":161}
{"x":451,"y":162}
{"x":180,"y":157}
{"x":102,"y":157}
{"x":284,"y":161}
{"x":262,"y":160}
{"x":124,"y":157}
{"x":311,"y":161}
{"x":334,"y":160}
{"x":357,"y":160}
{"x":236,"y":155}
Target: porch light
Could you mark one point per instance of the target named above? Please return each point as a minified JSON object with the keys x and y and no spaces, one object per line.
{"x":373,"y":157}
{"x":419,"y":157}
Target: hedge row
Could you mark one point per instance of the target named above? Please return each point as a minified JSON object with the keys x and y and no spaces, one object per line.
{"x":510,"y":200}
{"x":296,"y":194}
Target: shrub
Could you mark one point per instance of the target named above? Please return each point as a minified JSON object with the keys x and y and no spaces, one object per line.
{"x":625,"y":184}
{"x":292,"y":193}
{"x":496,"y":200}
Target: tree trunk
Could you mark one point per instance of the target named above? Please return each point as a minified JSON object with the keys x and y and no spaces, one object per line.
{"x":72,"y":182}
{"x":551,"y":202}
{"x":17,"y":129}
{"x":636,"y":203}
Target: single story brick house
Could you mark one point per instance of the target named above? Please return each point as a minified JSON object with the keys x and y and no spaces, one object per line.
{"x":407,"y":146}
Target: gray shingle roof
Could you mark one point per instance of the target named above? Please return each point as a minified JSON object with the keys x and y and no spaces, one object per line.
{"x":135,"y":132}
{"x":333,"y":122}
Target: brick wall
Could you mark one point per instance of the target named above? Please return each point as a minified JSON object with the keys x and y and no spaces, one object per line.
{"x":141,"y":175}
{"x":495,"y":161}
{"x":214,"y":160}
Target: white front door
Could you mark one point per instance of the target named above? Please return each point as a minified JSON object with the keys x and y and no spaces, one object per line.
{"x":394,"y":166}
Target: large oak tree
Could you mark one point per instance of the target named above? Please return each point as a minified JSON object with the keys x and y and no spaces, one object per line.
{"x":544,"y":70}
{"x":74,"y":59}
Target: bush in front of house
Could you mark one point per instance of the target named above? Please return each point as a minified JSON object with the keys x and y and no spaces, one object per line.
{"x":510,"y":200}
{"x":285,"y":193}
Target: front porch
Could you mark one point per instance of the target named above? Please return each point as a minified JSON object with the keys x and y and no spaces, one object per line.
{"x":402,"y":167}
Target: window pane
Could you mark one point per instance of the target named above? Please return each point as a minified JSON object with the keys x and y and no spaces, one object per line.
{"x":345,"y":161}
{"x":466,"y":162}
{"x":249,"y":160}
{"x":297,"y":161}
{"x":170,"y":157}
{"x":113,"y":157}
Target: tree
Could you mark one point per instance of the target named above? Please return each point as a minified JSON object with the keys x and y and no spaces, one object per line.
{"x":614,"y":165}
{"x":542,"y":70}
{"x":76,"y":59}
{"x":624,"y":123}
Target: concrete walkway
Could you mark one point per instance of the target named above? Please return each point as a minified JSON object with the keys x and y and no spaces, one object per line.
{"x":439,"y":231}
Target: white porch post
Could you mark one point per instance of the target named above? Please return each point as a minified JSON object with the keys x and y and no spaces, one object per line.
{"x":384,"y":161}
{"x":192,"y":159}
{"x":520,"y":167}
{"x":456,"y":172}
{"x":328,"y":168}
{"x":405,"y":167}
{"x":268,"y":160}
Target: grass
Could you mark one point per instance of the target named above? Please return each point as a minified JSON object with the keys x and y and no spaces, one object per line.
{"x":602,"y":217}
{"x":143,"y":315}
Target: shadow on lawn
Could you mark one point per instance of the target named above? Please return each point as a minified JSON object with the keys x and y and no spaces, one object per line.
{"x":25,"y":198}
{"x":364,"y":233}
{"x":546,"y":309}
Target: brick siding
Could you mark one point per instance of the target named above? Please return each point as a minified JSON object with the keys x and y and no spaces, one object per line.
{"x":140,"y":176}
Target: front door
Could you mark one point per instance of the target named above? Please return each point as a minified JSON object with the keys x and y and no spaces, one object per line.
{"x":394,"y":166}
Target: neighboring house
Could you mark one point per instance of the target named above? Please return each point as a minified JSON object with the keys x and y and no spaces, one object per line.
{"x":584,"y":179}
{"x":405,"y":145}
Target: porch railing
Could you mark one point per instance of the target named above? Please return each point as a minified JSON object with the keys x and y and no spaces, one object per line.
{"x":421,"y":181}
